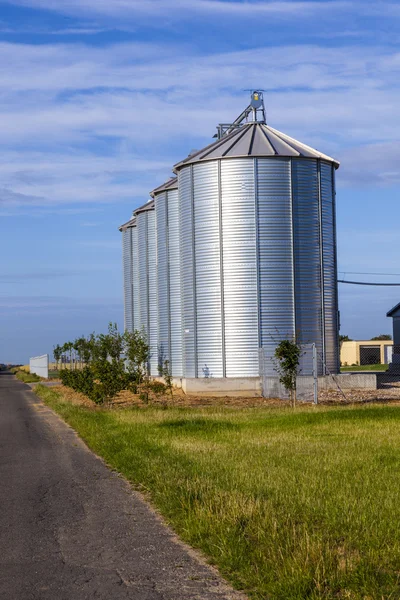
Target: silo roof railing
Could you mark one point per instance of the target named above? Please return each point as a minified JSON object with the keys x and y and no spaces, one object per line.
{"x":255,"y":140}
{"x":171,"y":184}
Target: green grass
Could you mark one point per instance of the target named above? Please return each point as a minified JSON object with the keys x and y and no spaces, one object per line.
{"x":288,"y":504}
{"x":27,"y":377}
{"x":377,"y":367}
{"x":54,"y":374}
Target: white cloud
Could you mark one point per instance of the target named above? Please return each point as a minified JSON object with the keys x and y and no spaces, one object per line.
{"x":83,"y":124}
{"x":174,"y":10}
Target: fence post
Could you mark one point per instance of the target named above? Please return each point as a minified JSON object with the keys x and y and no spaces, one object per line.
{"x":315,"y":372}
{"x":261,"y":362}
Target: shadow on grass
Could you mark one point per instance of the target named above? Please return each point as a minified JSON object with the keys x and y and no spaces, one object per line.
{"x":199,"y":425}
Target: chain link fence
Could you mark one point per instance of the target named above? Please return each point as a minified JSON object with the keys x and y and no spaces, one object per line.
{"x":310,"y":384}
{"x":307,"y":375}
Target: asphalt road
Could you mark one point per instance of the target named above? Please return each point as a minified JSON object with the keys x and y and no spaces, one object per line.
{"x":71,"y":529}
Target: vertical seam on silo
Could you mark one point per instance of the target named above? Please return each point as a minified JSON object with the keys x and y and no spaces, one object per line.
{"x":335,"y":263}
{"x":168,"y":281}
{"x":294,"y":306}
{"x":321,"y":254}
{"x":124,"y":272}
{"x":131,"y":273}
{"x":146,"y":238}
{"x":221,"y":263}
{"x":181,"y":281}
{"x":193,"y":231}
{"x":256,"y":217}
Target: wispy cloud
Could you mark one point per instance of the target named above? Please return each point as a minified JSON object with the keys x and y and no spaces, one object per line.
{"x":181,"y":9}
{"x":84,"y":125}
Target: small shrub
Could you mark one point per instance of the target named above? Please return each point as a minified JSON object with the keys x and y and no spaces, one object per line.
{"x":113,"y":362}
{"x":287,"y":355}
{"x":158,"y":388}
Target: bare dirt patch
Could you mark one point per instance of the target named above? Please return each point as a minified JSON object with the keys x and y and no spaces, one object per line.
{"x":126,"y":399}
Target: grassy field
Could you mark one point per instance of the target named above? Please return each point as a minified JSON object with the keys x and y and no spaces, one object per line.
{"x":288,"y":504}
{"x":377,"y":367}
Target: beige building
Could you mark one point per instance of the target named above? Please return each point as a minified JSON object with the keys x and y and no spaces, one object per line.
{"x":366,"y":352}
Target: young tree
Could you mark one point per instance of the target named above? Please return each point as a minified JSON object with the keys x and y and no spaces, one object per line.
{"x":287,"y":355}
{"x":137,"y":352}
{"x":166,"y":373}
{"x":57,"y":353}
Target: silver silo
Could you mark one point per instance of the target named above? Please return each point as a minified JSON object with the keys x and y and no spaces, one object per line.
{"x":258,"y":249}
{"x":168,"y":275}
{"x":147,"y":279}
{"x":129,"y":264}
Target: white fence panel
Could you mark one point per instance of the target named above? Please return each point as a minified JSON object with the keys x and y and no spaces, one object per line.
{"x":40,"y":365}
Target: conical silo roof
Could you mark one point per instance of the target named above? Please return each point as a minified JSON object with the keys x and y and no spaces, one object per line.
{"x":130,"y":223}
{"x":171,"y":184}
{"x":255,"y":139}
{"x":148,"y":206}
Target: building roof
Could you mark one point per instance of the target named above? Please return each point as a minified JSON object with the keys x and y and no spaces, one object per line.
{"x":393,"y":310}
{"x":171,"y":184}
{"x":130,"y":223}
{"x":255,"y":139}
{"x":148,"y":206}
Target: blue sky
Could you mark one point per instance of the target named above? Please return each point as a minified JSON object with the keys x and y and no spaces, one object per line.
{"x":99,"y":98}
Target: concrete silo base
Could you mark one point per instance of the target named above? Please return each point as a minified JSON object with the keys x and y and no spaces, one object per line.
{"x":252,"y":387}
{"x":221,"y":386}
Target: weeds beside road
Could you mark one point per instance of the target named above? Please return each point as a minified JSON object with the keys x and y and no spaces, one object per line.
{"x":27,"y":377}
{"x":288,"y":504}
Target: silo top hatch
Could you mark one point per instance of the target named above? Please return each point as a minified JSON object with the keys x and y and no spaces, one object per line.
{"x":253,"y":139}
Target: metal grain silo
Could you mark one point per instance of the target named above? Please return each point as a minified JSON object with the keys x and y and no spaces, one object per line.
{"x":258,"y":250}
{"x":147,"y":279}
{"x":168,"y":276}
{"x":129,"y":263}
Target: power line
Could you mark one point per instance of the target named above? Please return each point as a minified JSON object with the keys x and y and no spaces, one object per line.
{"x":367,"y":283}
{"x":369,"y":273}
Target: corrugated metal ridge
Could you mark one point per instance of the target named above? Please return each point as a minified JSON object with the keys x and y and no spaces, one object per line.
{"x":217,"y":145}
{"x":262,"y":130}
{"x":148,"y":206}
{"x":314,"y":152}
{"x":130,"y":223}
{"x":171,"y":184}
{"x":236,"y":140}
{"x":276,"y":141}
{"x":208,"y":149}
{"x":252,"y":140}
{"x":276,"y":144}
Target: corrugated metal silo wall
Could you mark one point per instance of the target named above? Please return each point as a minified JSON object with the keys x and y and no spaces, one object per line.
{"x":275,"y":247}
{"x":135,"y":278}
{"x":128,"y":278}
{"x":148,"y":283}
{"x":187,"y":272}
{"x":307,"y":253}
{"x":208,"y":270}
{"x":328,"y":219}
{"x":175,"y":304}
{"x":258,"y":261}
{"x":240,"y":278}
{"x":162,"y":279}
{"x":169,"y":280}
